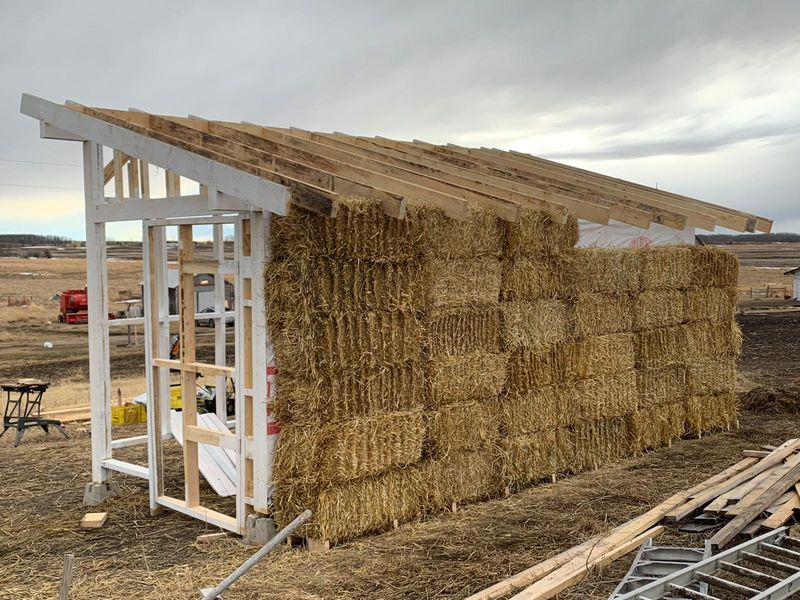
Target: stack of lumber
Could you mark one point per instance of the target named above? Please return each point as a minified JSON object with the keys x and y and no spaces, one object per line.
{"x":764,"y":483}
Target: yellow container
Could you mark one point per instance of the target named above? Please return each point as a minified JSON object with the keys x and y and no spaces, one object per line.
{"x":128,"y":414}
{"x":175,"y":397}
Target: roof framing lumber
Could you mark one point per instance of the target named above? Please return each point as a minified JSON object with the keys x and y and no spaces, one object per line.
{"x":433,"y":174}
{"x":255,"y":190}
{"x":624,"y":206}
{"x":753,"y":222}
{"x":468,"y":188}
{"x":306,"y":195}
{"x":626,"y":214}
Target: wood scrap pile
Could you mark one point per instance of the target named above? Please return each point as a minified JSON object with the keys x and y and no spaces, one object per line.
{"x":761,"y":489}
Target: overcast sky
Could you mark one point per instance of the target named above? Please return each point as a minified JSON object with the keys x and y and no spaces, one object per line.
{"x":697,"y":97}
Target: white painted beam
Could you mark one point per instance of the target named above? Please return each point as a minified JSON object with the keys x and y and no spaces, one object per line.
{"x":48,"y":132}
{"x":259,"y":192}
{"x":128,"y":468}
{"x":113,"y":209}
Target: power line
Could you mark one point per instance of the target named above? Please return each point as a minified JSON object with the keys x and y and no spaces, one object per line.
{"x":43,"y":187}
{"x":36,"y":162}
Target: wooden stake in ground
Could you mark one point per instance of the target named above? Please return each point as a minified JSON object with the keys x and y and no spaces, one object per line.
{"x":66,"y":578}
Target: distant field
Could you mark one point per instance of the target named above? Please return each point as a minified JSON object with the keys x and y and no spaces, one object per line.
{"x":763,"y":265}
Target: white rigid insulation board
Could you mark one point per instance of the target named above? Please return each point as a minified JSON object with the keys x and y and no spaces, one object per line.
{"x":622,"y":235}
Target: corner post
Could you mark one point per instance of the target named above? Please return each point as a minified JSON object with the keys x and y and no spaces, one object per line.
{"x":97,"y":291}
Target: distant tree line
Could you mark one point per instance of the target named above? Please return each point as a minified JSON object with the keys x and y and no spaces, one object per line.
{"x":15,"y":240}
{"x":748,"y":238}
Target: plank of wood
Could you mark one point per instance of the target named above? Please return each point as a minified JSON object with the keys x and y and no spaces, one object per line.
{"x":702,"y":498}
{"x":764,"y":501}
{"x":774,"y":476}
{"x":528,"y":576}
{"x":785,"y":512}
{"x":578,"y":568}
{"x":93,"y":520}
{"x":723,"y":501}
{"x":66,"y":577}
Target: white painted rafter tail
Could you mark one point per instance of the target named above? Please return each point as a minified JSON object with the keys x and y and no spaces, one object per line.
{"x":255,"y":190}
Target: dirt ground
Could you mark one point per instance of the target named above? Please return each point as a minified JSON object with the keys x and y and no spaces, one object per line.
{"x":451,"y":555}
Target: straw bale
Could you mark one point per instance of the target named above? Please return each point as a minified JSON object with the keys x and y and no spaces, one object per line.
{"x":713,"y":376}
{"x":349,"y":340}
{"x":340,"y":395}
{"x":712,"y":267}
{"x":600,"y":442}
{"x":479,"y":235}
{"x":665,"y":267}
{"x":604,"y":397}
{"x":658,"y":308}
{"x":596,"y":356}
{"x":458,"y":427}
{"x":531,"y":458}
{"x":454,"y":331}
{"x":658,"y":424}
{"x":661,"y":385}
{"x":600,"y":313}
{"x":534,"y":324}
{"x":540,"y":409}
{"x":713,"y":339}
{"x":460,"y":477}
{"x":540,"y":277}
{"x":661,"y":347}
{"x":360,"y":230}
{"x":711,"y":412}
{"x":338,"y":452}
{"x":710,"y":304}
{"x":366,"y":505}
{"x":462,"y":282}
{"x":607,"y":270}
{"x":327,"y":285}
{"x":536,"y":235}
{"x":460,"y":378}
{"x":531,"y":369}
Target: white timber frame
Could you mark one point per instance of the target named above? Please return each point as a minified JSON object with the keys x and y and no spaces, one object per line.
{"x":227,"y":196}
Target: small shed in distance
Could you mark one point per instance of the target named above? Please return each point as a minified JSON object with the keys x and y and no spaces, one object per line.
{"x":796,"y":286}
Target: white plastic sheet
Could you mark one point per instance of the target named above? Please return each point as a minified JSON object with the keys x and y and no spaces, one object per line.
{"x":622,"y":235}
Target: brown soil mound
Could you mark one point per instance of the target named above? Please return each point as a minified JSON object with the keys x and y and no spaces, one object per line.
{"x":783,"y":399}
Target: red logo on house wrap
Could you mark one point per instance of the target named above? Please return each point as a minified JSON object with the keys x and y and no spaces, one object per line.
{"x":641,"y":242}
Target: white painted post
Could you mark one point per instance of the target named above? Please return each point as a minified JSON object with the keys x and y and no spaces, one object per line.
{"x":220,"y":381}
{"x":240,"y":404}
{"x":97,"y":291}
{"x":262,"y":468}
{"x":152,"y":374}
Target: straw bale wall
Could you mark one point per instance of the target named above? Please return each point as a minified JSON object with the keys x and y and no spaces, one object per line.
{"x":425,"y":361}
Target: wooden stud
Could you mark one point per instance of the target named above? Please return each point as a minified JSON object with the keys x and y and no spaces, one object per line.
{"x":188,"y":376}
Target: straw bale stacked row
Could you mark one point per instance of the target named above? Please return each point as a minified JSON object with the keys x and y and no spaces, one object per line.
{"x":427,"y":361}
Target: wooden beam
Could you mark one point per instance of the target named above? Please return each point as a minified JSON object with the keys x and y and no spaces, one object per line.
{"x":202,"y":435}
{"x":188,"y":356}
{"x":577,"y":569}
{"x":193,"y":367}
{"x":759,"y":505}
{"x":751,"y":222}
{"x":630,"y":214}
{"x":785,"y":512}
{"x":338,"y":159}
{"x":710,"y":493}
{"x":254,"y":189}
{"x":661,"y":214}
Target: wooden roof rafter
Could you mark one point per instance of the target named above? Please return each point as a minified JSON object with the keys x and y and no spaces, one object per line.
{"x":624,"y":209}
{"x":314,"y":169}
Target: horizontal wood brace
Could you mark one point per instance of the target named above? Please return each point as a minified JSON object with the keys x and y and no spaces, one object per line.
{"x":193,"y":367}
{"x":213,"y":437}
